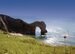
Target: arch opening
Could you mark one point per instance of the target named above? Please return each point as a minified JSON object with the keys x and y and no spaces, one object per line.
{"x":37,"y":31}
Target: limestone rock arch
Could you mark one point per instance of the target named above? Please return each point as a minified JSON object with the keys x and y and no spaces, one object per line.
{"x":19,"y":26}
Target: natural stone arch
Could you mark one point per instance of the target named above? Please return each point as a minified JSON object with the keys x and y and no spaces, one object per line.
{"x":41,"y":25}
{"x":19,"y":26}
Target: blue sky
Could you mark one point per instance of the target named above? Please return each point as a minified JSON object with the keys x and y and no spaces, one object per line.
{"x":55,"y":13}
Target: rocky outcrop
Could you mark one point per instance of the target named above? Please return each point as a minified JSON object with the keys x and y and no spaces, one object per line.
{"x":19,"y":26}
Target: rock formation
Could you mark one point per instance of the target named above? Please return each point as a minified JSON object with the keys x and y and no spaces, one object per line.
{"x":19,"y":26}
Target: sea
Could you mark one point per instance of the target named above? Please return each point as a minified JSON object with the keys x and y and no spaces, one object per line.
{"x":57,"y":39}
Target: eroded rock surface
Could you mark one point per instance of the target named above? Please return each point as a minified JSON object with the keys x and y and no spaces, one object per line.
{"x":19,"y":26}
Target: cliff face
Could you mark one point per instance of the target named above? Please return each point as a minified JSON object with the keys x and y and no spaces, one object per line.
{"x":19,"y":26}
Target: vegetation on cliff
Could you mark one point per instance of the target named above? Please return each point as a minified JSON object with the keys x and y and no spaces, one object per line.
{"x":28,"y":45}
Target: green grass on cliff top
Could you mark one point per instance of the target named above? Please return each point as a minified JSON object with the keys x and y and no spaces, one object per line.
{"x":28,"y":45}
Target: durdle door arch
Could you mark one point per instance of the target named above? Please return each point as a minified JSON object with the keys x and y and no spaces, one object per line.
{"x":19,"y":26}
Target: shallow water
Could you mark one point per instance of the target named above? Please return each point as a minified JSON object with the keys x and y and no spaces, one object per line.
{"x":59,"y":40}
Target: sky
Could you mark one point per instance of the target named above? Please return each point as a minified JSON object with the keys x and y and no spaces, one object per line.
{"x":57,"y":14}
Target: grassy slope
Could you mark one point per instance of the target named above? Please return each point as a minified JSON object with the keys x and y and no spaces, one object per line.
{"x":27,"y":45}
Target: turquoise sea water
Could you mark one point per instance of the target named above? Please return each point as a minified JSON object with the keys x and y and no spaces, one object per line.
{"x":58,"y":40}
